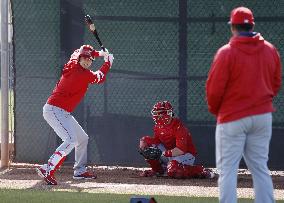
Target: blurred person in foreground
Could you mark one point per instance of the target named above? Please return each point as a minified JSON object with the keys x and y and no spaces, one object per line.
{"x":244,"y":78}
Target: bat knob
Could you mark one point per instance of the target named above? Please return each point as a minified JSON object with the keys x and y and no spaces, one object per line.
{"x":88,"y":19}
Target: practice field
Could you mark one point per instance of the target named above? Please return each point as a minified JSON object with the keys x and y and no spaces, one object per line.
{"x":34,"y":196}
{"x":20,"y":183}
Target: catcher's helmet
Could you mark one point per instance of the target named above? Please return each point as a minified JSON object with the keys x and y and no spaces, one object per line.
{"x":162,"y":113}
{"x":86,"y":51}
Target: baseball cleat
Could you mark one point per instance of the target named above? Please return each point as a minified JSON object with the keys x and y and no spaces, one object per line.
{"x":207,"y":173}
{"x":151,"y":173}
{"x":147,"y":173}
{"x":49,"y":179}
{"x":85,"y":175}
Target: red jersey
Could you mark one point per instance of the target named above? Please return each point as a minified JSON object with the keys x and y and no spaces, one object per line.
{"x":74,"y":83}
{"x":173,"y":135}
{"x":245,"y":76}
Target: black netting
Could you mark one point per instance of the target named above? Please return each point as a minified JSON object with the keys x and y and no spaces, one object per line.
{"x":163,"y":51}
{"x":145,"y":8}
{"x":37,"y":47}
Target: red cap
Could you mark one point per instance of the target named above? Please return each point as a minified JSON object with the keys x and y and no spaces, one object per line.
{"x":241,"y":15}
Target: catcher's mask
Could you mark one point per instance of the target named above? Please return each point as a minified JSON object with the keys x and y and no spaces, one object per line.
{"x":86,"y":51}
{"x":162,"y":113}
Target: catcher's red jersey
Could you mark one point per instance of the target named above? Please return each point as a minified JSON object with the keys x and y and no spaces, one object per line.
{"x":174,"y":135}
{"x":74,"y":83}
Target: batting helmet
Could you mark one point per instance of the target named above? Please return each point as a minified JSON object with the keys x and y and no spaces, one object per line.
{"x":162,"y":112}
{"x":86,"y":51}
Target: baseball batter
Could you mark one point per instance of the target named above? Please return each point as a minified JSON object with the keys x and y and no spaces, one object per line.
{"x":175,"y":142}
{"x":67,"y":94}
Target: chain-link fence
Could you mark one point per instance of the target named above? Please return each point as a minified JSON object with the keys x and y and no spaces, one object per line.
{"x":163,"y":51}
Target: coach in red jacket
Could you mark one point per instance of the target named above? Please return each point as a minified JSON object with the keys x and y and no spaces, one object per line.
{"x":244,"y":78}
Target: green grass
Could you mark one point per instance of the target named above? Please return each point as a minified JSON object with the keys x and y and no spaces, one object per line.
{"x":37,"y":196}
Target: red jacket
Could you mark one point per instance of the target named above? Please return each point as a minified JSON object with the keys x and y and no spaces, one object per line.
{"x":74,"y":83}
{"x":244,"y":77}
{"x":173,"y":135}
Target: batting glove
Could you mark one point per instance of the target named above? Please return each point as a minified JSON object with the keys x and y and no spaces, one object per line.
{"x":103,"y":53}
{"x":109,"y":58}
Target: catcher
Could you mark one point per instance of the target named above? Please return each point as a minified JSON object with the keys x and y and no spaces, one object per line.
{"x":170,"y":152}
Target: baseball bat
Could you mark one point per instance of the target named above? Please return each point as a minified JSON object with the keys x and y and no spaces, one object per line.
{"x":90,"y":23}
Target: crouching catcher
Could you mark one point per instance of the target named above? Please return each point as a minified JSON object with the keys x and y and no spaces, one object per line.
{"x":170,"y":152}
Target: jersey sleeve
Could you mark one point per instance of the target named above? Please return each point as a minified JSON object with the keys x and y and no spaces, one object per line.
{"x":151,"y":140}
{"x":69,"y":66}
{"x":217,"y":81}
{"x":99,"y":76}
{"x":277,"y":74}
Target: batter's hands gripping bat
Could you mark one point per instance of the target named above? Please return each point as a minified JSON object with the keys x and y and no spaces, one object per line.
{"x":92,"y":28}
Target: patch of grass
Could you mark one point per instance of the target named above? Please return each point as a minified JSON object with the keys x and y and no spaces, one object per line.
{"x":36,"y":196}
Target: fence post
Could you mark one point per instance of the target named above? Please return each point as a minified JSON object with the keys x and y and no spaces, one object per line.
{"x":182,"y":103}
{"x":4,"y":85}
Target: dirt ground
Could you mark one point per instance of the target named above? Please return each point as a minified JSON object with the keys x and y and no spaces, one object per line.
{"x":126,"y":180}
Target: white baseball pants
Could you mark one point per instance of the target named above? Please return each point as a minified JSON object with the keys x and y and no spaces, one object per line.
{"x":185,"y":159}
{"x":248,"y":137}
{"x":70,"y":132}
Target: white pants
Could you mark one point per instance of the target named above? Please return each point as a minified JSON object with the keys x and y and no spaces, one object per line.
{"x":248,"y":137}
{"x":70,"y":132}
{"x":185,"y":159}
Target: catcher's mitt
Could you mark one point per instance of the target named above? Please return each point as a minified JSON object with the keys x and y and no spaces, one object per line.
{"x":152,"y":153}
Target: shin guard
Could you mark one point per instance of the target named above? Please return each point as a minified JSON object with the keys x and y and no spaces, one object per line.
{"x":155,"y":165}
{"x":193,"y":171}
{"x":175,"y":169}
{"x":178,"y":170}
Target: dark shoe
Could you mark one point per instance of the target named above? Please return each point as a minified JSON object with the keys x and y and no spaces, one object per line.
{"x":207,"y":173}
{"x":147,"y":173}
{"x":151,"y":173}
